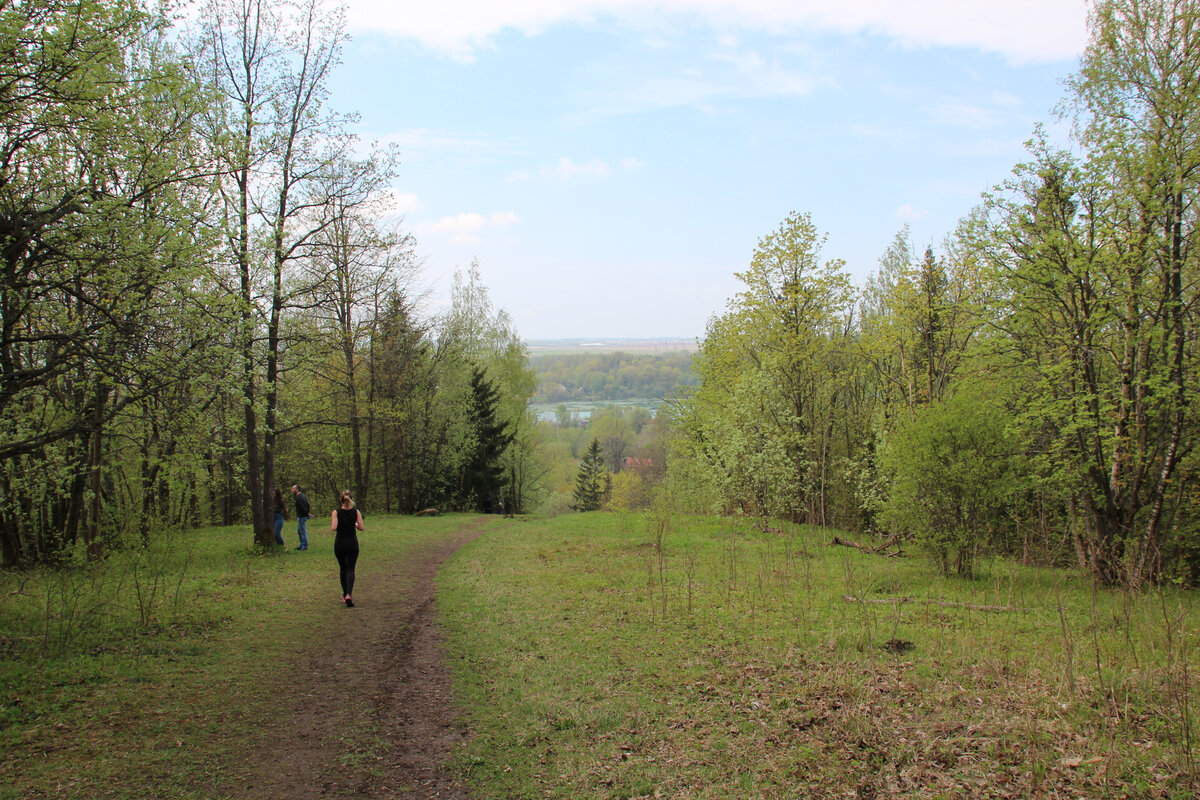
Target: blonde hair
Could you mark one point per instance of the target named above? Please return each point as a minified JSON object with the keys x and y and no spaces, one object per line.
{"x":345,"y":500}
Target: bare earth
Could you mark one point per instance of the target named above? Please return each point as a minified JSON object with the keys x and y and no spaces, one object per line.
{"x":369,"y":714}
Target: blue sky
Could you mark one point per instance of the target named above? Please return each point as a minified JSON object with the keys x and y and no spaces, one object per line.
{"x":612,"y":163}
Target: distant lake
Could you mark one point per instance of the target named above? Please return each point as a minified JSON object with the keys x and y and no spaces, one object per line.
{"x":585,"y":408}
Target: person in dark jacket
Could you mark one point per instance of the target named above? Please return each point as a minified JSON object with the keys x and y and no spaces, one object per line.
{"x":302,"y":512}
{"x":280,"y":511}
{"x":345,"y":522}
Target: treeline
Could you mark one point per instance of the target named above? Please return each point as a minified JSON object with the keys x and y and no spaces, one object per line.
{"x":201,"y":300}
{"x":1029,"y":388}
{"x":610,"y":376}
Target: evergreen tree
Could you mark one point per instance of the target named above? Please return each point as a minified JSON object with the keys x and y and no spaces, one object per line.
{"x":484,"y":472}
{"x":589,"y":485}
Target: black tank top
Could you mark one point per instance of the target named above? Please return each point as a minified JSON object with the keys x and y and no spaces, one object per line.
{"x":347,"y":519}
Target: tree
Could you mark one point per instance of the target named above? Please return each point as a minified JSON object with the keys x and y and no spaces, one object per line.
{"x":269,"y":68}
{"x":628,"y":492}
{"x":590,"y":482}
{"x":474,"y":335}
{"x":611,"y":426}
{"x":410,"y":429}
{"x":1096,"y":253}
{"x":98,"y":202}
{"x":483,"y":473}
{"x":355,"y":262}
{"x":772,"y":369}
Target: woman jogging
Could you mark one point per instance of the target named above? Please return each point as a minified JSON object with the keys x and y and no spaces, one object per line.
{"x":345,"y":522}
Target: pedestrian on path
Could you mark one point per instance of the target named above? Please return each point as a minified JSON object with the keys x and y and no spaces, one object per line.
{"x":345,"y":522}
{"x":302,"y":511}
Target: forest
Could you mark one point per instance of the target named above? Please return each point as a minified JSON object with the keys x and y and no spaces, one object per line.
{"x":206,"y":297}
{"x":611,"y":376}
{"x":1024,"y":389}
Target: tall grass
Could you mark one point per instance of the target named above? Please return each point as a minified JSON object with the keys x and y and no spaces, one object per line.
{"x":612,"y":656}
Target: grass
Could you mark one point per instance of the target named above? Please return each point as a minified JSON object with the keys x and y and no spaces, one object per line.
{"x":150,"y":674}
{"x":726,"y":662}
{"x":619,"y":656}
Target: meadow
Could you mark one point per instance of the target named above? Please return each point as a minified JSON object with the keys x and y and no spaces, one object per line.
{"x":609,"y":655}
{"x":622,"y":655}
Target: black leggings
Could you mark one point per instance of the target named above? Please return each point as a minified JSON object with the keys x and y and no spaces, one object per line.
{"x":346,"y":550}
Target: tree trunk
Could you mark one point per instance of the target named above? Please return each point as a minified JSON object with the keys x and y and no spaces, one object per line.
{"x":96,"y":458}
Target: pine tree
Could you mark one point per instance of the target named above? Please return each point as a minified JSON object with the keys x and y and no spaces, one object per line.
{"x":589,"y":485}
{"x":484,"y":472}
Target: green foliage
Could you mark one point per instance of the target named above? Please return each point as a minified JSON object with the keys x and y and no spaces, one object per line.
{"x":628,"y":492}
{"x":484,"y":472}
{"x":954,"y":471}
{"x":770,"y":370}
{"x":610,"y":376}
{"x":103,"y":267}
{"x":1072,"y":293}
{"x":475,"y":334}
{"x":631,"y":440}
{"x":590,"y":483}
{"x":1093,"y":252}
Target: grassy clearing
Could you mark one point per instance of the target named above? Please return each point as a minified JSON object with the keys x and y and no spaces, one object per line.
{"x":150,"y":674}
{"x":728,"y":663}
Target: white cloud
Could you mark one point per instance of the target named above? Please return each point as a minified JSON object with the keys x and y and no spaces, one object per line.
{"x":417,"y":144}
{"x":1021,"y":30}
{"x":969,"y":116}
{"x":565,"y":170}
{"x":468,"y":227}
{"x":459,"y":223}
{"x":910,"y":213}
{"x":405,"y":203}
{"x":504,"y":219}
{"x":691,"y":78}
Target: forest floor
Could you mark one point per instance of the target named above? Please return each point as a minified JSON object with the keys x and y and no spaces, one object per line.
{"x":369,"y":714}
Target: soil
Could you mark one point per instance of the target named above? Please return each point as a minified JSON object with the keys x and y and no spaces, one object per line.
{"x":372,"y":715}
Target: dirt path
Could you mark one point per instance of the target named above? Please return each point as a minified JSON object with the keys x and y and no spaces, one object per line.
{"x":370,"y":714}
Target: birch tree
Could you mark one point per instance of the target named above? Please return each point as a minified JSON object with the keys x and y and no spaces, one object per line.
{"x":1098,"y":254}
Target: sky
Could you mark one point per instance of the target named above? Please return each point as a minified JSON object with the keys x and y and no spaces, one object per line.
{"x":611,"y":164}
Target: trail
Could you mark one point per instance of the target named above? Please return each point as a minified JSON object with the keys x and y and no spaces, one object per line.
{"x":369,"y":714}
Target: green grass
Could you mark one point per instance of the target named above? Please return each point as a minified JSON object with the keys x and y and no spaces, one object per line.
{"x":589,"y":664}
{"x":736,"y":668}
{"x":150,"y":674}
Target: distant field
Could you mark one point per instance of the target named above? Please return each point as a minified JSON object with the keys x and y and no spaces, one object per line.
{"x":539,"y":347}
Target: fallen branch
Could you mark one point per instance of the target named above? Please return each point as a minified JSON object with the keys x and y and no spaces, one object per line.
{"x":881,"y":550}
{"x":941,"y":603}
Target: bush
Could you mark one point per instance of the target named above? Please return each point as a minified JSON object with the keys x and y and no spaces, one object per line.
{"x":953,"y":470}
{"x":628,"y":492}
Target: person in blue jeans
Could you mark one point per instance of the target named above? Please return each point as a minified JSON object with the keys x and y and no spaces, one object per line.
{"x":280,"y":513}
{"x":303,"y":509}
